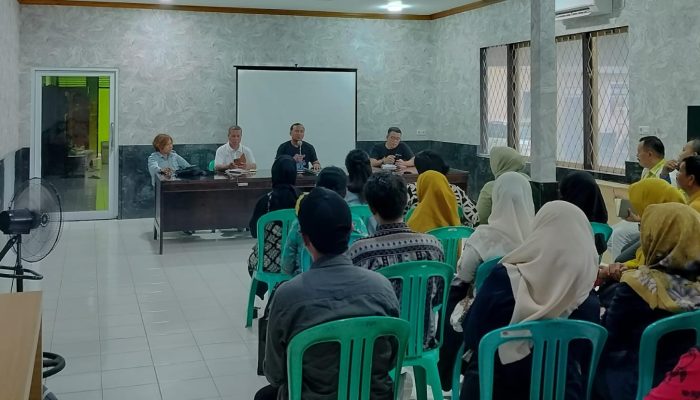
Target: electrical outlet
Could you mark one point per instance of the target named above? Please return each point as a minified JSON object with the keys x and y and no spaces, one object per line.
{"x":644,"y":130}
{"x":421,"y":132}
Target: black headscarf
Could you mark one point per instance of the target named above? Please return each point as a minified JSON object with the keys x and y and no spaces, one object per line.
{"x":428,"y":160}
{"x":580,"y":189}
{"x":359,"y":170}
{"x":284,"y":176}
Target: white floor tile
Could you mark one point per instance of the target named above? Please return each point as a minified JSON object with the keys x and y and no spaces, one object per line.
{"x":74,"y":383}
{"x":126,"y":360}
{"x":223,"y":350}
{"x":89,"y":395}
{"x":194,"y":389}
{"x":176,"y":355}
{"x":144,"y":392}
{"x":128,"y":377}
{"x":178,"y":372}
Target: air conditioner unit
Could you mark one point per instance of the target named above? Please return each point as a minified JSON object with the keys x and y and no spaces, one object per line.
{"x":567,"y":9}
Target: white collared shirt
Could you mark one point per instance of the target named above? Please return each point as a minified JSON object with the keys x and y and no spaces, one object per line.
{"x":225,"y":154}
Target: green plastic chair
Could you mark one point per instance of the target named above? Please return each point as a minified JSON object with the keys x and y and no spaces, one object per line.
{"x":550,"y":349}
{"x":603,"y":229}
{"x":361,"y":210}
{"x":211,"y":166}
{"x":451,"y":239}
{"x":482,"y":272}
{"x":356,"y":337}
{"x":650,"y":338}
{"x":286,"y":217}
{"x":359,"y":225}
{"x":414,"y":276}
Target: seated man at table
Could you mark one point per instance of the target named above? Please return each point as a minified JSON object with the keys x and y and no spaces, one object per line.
{"x":332,"y":289}
{"x":303,"y":153}
{"x":234,"y":154}
{"x":393,"y":151}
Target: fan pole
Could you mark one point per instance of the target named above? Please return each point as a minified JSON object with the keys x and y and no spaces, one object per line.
{"x":19,"y":271}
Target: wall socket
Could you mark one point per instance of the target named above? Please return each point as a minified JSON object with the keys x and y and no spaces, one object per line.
{"x":644,"y":131}
{"x":421,"y":132}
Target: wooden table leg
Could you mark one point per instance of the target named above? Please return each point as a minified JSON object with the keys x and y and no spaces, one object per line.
{"x":37,"y":389}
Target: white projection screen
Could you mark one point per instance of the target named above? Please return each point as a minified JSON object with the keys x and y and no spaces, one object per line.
{"x":270,"y":99}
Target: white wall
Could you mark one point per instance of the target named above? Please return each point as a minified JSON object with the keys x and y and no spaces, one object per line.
{"x":176,"y":68}
{"x":9,"y":76}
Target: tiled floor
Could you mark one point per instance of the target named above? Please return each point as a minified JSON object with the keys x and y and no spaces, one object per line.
{"x":135,"y":325}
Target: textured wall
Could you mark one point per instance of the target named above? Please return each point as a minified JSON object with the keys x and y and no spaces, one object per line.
{"x":9,"y":77}
{"x":176,"y":68}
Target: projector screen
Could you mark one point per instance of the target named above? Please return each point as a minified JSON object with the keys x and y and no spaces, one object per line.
{"x":269,"y":100}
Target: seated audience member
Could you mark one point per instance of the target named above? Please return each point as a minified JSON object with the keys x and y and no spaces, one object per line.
{"x":332,"y":178}
{"x":670,"y":170}
{"x":509,"y":225}
{"x":580,"y":189}
{"x":394,"y":242}
{"x":303,"y":153}
{"x":332,"y":289}
{"x":428,"y":160}
{"x":689,"y":180}
{"x":164,"y":160}
{"x":546,"y":277}
{"x":359,"y":170}
{"x":650,"y":154}
{"x":641,"y":195}
{"x":437,"y":205}
{"x":393,"y":151}
{"x":283,"y":196}
{"x":502,"y":160}
{"x":665,"y":285}
{"x":234,"y":154}
{"x":683,"y":382}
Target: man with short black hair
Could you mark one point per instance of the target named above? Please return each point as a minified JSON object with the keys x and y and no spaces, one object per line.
{"x":302,"y":152}
{"x":689,"y":180}
{"x":393,"y":151}
{"x":670,"y":171}
{"x":650,"y":154}
{"x":332,"y":289}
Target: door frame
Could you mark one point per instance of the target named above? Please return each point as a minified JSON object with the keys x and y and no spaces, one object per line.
{"x":35,"y":146}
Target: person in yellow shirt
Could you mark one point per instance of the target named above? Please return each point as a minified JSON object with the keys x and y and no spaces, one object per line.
{"x":689,"y":180}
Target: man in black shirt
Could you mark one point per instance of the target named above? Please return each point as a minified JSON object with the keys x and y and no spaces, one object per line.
{"x":392,"y":152}
{"x":302,"y":152}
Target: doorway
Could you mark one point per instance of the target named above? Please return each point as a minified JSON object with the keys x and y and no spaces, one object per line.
{"x":74,"y":141}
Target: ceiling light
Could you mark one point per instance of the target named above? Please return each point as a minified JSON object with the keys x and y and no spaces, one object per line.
{"x":395,"y":6}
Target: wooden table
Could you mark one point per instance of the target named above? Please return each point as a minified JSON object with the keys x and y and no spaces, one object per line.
{"x":20,"y":346}
{"x":224,"y":202}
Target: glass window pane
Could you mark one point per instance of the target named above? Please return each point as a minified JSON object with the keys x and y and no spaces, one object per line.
{"x":569,"y":103}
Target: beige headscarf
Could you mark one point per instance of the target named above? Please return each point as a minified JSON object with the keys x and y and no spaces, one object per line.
{"x":552,"y":272}
{"x":503,"y":159}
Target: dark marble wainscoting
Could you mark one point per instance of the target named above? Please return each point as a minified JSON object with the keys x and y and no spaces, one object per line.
{"x":136,"y":196}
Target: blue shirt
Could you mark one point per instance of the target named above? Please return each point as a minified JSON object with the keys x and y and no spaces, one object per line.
{"x":157,"y":162}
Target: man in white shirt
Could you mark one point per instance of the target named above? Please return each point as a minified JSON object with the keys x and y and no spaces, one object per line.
{"x":233,"y":154}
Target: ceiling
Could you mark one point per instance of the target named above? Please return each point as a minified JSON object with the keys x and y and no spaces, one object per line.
{"x":417,"y":7}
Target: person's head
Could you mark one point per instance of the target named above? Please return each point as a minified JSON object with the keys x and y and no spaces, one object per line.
{"x":333,"y":178}
{"x":393,"y":137}
{"x":325,"y":223}
{"x":581,"y":189}
{"x":428,"y":160}
{"x":689,"y":174}
{"x":691,"y":148}
{"x":296,"y":131}
{"x":650,"y":151}
{"x":669,"y":235}
{"x":359,"y":170}
{"x":284,"y":171}
{"x":235,"y":133}
{"x":505,"y":159}
{"x":652,"y":191}
{"x":512,"y":203}
{"x":386,"y":196}
{"x":163,"y":143}
{"x":437,"y":204}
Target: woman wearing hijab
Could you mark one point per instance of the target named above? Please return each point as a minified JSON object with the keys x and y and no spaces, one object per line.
{"x":503,"y":159}
{"x":544,"y":278}
{"x":509,"y":225}
{"x":282,"y":196}
{"x":437,"y":205}
{"x":580,"y":189}
{"x":428,"y":160}
{"x":667,"y":284}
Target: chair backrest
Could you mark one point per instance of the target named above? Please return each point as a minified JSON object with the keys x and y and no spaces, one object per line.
{"x":359,"y":225}
{"x":650,"y":338}
{"x":211,"y":165}
{"x":451,"y":239}
{"x":484,"y":270}
{"x":306,"y":260}
{"x":285,"y":217}
{"x":361,"y":210}
{"x":356,"y":337}
{"x":408,"y":214}
{"x":603,"y":229}
{"x":414,"y":276}
{"x":550,"y":349}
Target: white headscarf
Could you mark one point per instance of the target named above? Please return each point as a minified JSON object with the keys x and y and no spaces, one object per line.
{"x":552,"y":272}
{"x":511,"y":217}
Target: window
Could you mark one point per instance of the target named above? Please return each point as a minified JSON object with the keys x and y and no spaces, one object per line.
{"x":592,"y":98}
